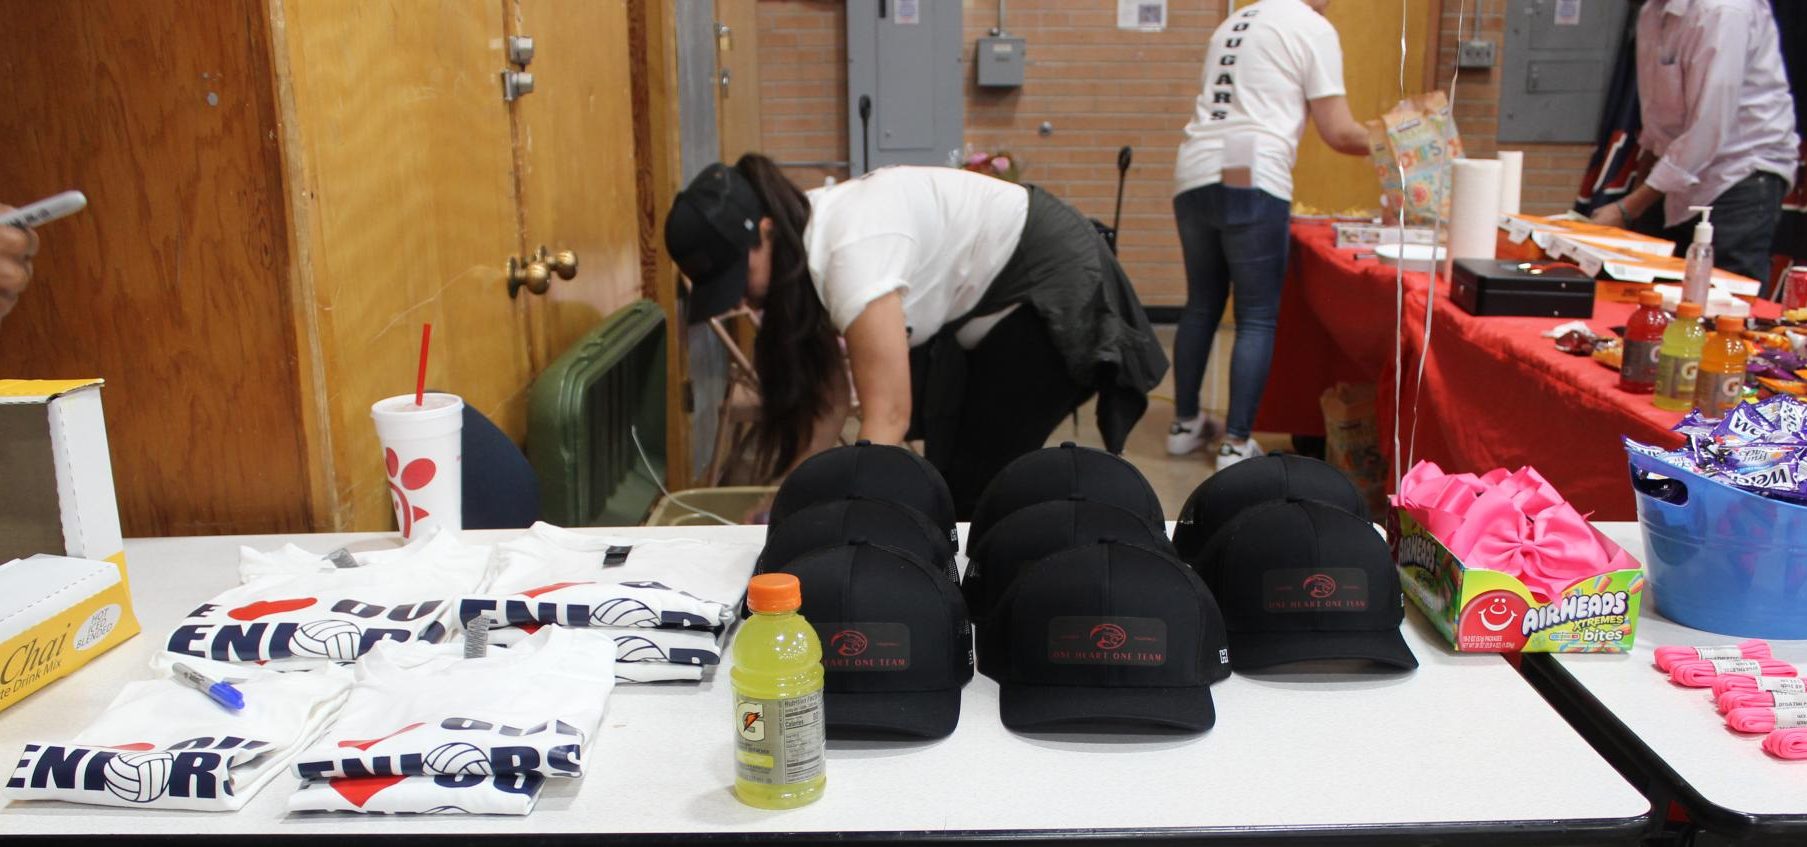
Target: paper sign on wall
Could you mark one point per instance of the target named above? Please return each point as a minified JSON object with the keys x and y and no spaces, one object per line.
{"x":1568,"y":12}
{"x":1142,"y":15}
{"x":909,"y":12}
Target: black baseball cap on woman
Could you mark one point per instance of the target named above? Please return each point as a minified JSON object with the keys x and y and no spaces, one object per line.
{"x":712,"y":224}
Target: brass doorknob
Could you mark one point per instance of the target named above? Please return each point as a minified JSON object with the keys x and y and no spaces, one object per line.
{"x":535,"y":276}
{"x":563,"y":263}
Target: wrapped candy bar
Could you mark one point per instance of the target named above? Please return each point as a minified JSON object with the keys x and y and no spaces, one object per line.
{"x":1758,"y":447}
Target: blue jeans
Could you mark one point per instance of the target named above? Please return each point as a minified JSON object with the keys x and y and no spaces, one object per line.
{"x":1233,"y":239}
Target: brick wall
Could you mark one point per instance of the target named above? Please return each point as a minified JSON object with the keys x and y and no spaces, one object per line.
{"x":1100,"y":88}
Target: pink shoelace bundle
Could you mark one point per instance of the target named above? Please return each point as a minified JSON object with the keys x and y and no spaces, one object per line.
{"x":1512,"y":522}
{"x":1666,"y":657}
{"x":1743,"y":698}
{"x":1739,"y":682}
{"x":1761,"y":719}
{"x":1786,"y":744}
{"x":1702,"y":673}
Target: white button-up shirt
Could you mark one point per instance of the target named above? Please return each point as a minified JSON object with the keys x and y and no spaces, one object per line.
{"x":1715,"y":99}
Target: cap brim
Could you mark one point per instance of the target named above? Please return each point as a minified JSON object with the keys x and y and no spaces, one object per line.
{"x":1026,"y":707}
{"x":1250,"y":650}
{"x":719,"y":293}
{"x":919,"y":714}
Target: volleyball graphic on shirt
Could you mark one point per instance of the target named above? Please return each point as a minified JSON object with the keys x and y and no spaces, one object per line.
{"x":139,"y":777}
{"x":338,"y":640}
{"x":623,"y":611}
{"x":458,"y":757}
{"x":632,"y":648}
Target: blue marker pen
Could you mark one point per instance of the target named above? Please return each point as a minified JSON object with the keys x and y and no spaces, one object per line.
{"x":221,"y":691}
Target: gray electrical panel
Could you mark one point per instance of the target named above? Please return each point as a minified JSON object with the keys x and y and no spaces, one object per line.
{"x":998,"y":61}
{"x":905,"y":61}
{"x":1559,"y":61}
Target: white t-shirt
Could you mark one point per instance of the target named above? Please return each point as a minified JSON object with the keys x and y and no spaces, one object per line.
{"x":163,"y":745}
{"x":936,"y":235}
{"x":423,"y":709}
{"x":468,"y":794}
{"x":1266,"y":62}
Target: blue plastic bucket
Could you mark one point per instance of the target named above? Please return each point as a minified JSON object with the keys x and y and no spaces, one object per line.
{"x":1720,"y":559}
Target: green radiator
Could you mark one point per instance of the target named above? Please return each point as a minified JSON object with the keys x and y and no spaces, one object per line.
{"x":584,"y":413}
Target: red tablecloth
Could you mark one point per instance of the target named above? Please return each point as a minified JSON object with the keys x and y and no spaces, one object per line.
{"x":1496,"y":393}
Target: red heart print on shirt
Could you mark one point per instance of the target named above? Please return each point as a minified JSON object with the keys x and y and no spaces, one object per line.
{"x":253,"y":611}
{"x":359,"y":789}
{"x":366,"y":744}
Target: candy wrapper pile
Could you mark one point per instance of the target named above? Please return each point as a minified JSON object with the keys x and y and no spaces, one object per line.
{"x":1758,"y":447}
{"x":1512,"y":522}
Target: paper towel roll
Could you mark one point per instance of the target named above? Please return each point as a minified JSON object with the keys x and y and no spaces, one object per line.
{"x":1512,"y":179}
{"x":1474,"y":214}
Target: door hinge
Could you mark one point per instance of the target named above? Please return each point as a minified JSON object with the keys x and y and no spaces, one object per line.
{"x":520,"y":50}
{"x":515,"y":85}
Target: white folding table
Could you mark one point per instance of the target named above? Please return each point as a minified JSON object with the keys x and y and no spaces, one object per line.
{"x":1460,"y":751}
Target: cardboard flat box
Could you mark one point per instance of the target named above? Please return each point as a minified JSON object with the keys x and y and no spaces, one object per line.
{"x":64,"y":593}
{"x":1486,"y":611}
{"x":1543,"y":232}
{"x":1350,"y":236}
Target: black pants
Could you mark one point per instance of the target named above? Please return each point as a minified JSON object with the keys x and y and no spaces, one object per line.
{"x":1017,"y":391}
{"x":1744,"y":225}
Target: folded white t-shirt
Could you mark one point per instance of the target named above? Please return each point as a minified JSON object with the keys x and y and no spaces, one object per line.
{"x":163,"y":745}
{"x":676,"y":646}
{"x":425,"y":709}
{"x":472,"y":794}
{"x":714,"y":571}
{"x":587,"y":603}
{"x":294,"y":613}
{"x":440,"y":551}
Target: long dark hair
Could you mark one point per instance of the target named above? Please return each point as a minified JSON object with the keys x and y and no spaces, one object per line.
{"x":796,"y":352}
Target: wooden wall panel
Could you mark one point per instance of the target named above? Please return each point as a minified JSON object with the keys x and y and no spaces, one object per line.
{"x":401,"y":167}
{"x":652,"y":42}
{"x":575,"y":145}
{"x":173,"y":284}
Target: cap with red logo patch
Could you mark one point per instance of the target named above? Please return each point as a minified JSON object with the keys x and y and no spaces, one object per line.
{"x":1032,"y":533}
{"x":1067,"y":472}
{"x":896,"y":645}
{"x":1105,"y":634}
{"x":1301,"y":580}
{"x":863,"y":469}
{"x":1224,"y":495}
{"x":832,"y":523}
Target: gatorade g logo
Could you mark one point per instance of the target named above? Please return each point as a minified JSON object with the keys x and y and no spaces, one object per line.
{"x":849,"y":642}
{"x":1731,"y":388}
{"x":1690,"y":371}
{"x":1320,"y":585}
{"x":1109,"y":636}
{"x":752,"y":721}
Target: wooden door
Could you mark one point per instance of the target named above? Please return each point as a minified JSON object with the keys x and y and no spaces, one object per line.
{"x":574,"y":142}
{"x":1328,"y":181}
{"x":737,"y":97}
{"x":402,"y":182}
{"x":173,"y":284}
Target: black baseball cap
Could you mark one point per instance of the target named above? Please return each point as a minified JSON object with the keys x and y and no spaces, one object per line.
{"x":1277,"y":476}
{"x":876,"y":471}
{"x":896,"y":645}
{"x":1302,"y":580}
{"x":1108,"y":633}
{"x":1032,"y":533}
{"x":1063,"y":473}
{"x":712,"y":224}
{"x":832,"y":523}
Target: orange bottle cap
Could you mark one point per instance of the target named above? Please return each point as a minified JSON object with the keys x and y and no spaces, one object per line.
{"x":1687,"y":310}
{"x":1652,"y":299}
{"x":1728,"y":325}
{"x":774,"y":592}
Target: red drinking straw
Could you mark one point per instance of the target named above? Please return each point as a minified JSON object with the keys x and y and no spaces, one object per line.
{"x":420,"y":381}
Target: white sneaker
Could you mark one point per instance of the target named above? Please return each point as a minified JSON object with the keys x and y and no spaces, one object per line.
{"x":1229,"y":454}
{"x":1185,"y":436}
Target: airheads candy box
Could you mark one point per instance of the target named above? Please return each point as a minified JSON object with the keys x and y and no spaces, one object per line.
{"x":1483,"y":611}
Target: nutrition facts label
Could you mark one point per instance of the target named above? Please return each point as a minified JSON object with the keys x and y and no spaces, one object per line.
{"x":781,"y":741}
